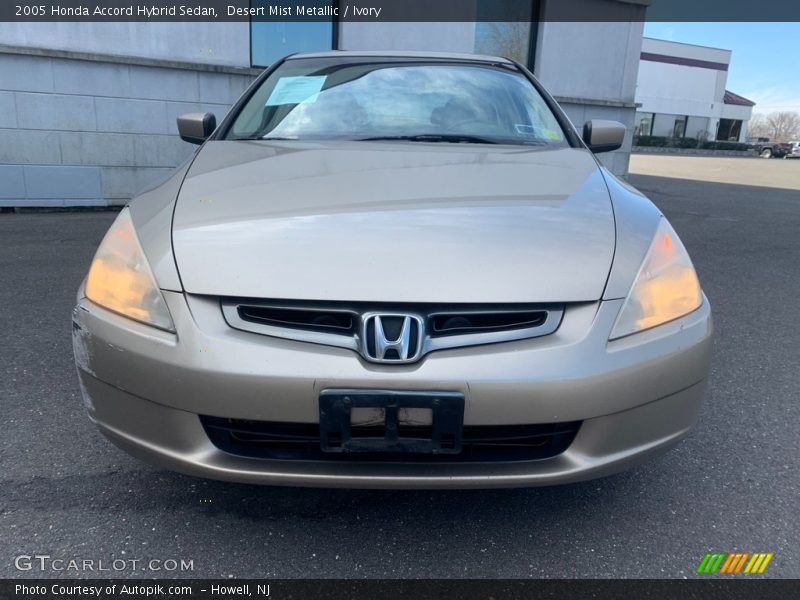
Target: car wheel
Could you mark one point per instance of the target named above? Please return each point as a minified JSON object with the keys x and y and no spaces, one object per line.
{"x":766,"y":153}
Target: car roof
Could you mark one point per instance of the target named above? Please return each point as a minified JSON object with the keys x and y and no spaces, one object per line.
{"x":478,"y":58}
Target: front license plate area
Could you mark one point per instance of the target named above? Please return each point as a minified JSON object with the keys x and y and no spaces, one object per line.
{"x":396,"y":422}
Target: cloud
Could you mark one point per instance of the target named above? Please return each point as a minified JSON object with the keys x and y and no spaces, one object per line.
{"x":773,"y":99}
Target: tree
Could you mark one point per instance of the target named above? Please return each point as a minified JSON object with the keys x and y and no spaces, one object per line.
{"x":758,"y":127}
{"x":510,"y":40}
{"x":778,"y":126}
{"x":784,"y":125}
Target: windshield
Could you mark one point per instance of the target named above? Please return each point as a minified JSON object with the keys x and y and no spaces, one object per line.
{"x":316,"y":99}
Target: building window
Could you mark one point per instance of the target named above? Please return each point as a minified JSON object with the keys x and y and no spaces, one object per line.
{"x":729,"y":130}
{"x":270,"y":41}
{"x":513,"y":39}
{"x":679,"y":129}
{"x":644,"y":124}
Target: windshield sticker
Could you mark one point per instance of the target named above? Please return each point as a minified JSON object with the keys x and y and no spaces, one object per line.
{"x":526,"y":129}
{"x":539,"y":132}
{"x":294,"y":90}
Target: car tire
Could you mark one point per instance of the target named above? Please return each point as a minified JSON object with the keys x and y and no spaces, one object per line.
{"x":766,"y":153}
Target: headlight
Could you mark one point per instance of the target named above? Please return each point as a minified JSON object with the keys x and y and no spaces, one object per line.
{"x":121,"y":280}
{"x":665,"y":288}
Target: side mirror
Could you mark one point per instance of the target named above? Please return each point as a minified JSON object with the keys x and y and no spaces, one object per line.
{"x":196,"y":127}
{"x":603,"y":136}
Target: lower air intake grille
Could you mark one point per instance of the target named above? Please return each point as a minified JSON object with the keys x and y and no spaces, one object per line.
{"x":300,"y":441}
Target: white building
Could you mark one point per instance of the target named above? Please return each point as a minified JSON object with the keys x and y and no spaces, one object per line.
{"x":682,"y":92}
{"x":87,"y":110}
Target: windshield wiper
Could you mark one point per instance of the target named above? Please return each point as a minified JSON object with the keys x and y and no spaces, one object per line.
{"x":251,"y":138}
{"x":453,"y":138}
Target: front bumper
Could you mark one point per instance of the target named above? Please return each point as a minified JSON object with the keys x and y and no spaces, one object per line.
{"x":145,"y":389}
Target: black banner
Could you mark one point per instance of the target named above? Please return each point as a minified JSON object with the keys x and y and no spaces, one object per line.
{"x":399,"y":10}
{"x":716,"y":588}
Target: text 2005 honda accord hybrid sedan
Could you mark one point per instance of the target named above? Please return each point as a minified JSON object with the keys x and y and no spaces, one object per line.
{"x":393,"y":270}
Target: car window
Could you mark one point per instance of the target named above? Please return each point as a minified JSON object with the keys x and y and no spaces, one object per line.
{"x":304,"y":99}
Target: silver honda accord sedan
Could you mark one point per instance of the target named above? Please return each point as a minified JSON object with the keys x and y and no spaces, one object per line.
{"x":393,"y":270}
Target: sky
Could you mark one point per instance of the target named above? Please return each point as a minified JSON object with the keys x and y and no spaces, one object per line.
{"x":765,"y":65}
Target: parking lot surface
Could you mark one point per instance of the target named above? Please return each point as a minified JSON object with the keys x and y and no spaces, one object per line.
{"x":731,"y":486}
{"x":771,"y":173}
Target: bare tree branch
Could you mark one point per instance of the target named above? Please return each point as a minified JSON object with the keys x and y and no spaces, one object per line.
{"x":758,"y":127}
{"x":778,"y":126}
{"x":784,"y":126}
{"x":510,"y":40}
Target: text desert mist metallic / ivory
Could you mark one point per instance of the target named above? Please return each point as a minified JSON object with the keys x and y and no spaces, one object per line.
{"x":273,"y":10}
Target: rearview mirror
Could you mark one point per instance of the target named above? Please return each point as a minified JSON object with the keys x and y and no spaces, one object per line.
{"x":603,"y":136}
{"x":196,"y":127}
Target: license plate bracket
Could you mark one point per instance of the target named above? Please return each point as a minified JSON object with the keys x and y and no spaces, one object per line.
{"x":443,"y":436}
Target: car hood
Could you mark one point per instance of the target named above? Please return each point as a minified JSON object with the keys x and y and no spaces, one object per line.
{"x":394,"y":222}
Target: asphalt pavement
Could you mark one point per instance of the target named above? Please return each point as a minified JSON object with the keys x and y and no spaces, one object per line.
{"x":733,"y":485}
{"x":747,"y":171}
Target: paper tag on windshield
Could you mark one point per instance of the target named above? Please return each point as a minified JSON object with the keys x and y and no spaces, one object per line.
{"x":294,"y":90}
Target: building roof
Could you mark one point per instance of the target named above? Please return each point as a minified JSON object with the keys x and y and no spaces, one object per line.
{"x":731,"y":98}
{"x":646,"y":37}
{"x":689,"y":55}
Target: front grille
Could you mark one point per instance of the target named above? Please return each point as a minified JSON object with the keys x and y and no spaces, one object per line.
{"x":342,"y":322}
{"x":301,"y":441}
{"x":433,"y":326}
{"x":462,"y":323}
